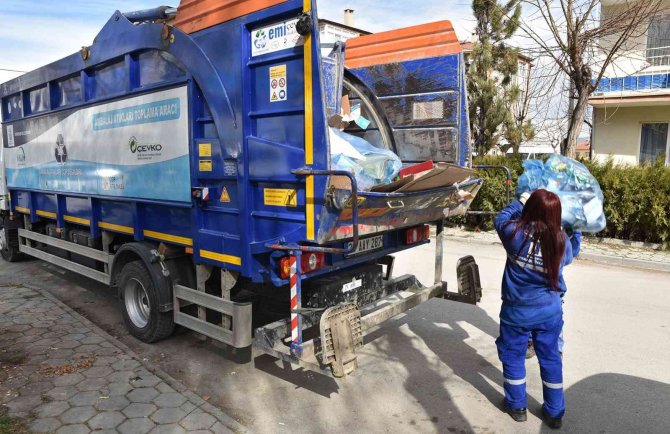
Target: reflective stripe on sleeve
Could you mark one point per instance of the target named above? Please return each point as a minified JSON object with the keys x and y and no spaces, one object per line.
{"x":526,"y":265}
{"x":515,"y":382}
{"x":553,"y":385}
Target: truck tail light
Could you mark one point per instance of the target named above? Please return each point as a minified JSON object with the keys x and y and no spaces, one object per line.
{"x":417,"y":234}
{"x":312,"y":261}
{"x":308,"y":262}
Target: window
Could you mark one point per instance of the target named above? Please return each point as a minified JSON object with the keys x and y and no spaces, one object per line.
{"x":11,"y":107}
{"x":158,"y":66}
{"x":658,"y":41}
{"x":110,"y":79}
{"x":654,"y":142}
{"x":39,"y":99}
{"x":69,"y":91}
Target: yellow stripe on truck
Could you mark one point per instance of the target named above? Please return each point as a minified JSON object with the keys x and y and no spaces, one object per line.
{"x":309,"y":128}
{"x":118,"y":228}
{"x":221,"y":257}
{"x":169,"y":238}
{"x":78,"y":220}
{"x":48,"y":214}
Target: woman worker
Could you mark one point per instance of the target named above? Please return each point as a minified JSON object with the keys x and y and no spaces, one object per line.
{"x":537,"y":249}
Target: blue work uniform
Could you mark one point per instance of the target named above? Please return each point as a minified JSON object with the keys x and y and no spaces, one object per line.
{"x":530,"y":308}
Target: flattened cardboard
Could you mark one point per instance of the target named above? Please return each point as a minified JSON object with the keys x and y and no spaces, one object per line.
{"x":340,"y":182}
{"x":393,"y":186}
{"x":443,"y":175}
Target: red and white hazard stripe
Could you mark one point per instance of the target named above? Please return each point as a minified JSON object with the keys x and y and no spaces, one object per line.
{"x":295,"y":336}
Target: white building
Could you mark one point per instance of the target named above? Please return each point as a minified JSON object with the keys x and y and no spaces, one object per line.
{"x":631,"y":108}
{"x":331,"y":31}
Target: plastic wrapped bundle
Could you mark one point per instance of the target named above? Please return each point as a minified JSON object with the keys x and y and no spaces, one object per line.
{"x":370,"y":165}
{"x":580,"y":194}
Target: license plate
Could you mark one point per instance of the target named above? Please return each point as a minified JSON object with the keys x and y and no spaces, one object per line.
{"x":367,"y":244}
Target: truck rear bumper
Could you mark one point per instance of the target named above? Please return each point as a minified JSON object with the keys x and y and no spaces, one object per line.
{"x":405,"y":292}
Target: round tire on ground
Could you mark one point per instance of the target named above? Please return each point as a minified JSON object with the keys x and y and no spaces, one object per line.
{"x":9,"y":244}
{"x":139,"y":301}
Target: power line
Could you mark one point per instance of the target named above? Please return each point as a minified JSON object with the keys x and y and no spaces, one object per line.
{"x":11,"y":70}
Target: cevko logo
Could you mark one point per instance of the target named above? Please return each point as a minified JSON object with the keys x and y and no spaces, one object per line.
{"x":140,"y":148}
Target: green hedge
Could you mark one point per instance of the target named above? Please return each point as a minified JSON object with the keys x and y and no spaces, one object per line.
{"x":637,"y":199}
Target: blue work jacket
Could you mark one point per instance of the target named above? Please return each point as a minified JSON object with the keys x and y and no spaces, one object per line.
{"x":527,"y":298}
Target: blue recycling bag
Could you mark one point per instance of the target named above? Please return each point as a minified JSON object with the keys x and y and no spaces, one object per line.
{"x":580,"y":194}
{"x":370,"y":165}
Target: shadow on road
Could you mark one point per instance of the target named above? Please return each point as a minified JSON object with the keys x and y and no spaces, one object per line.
{"x":299,"y":377}
{"x":616,"y":403}
{"x":439,"y":325}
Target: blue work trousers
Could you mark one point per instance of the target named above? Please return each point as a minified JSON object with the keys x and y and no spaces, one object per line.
{"x":512,"y":345}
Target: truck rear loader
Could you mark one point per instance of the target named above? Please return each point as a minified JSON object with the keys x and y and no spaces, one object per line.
{"x":184,"y":158}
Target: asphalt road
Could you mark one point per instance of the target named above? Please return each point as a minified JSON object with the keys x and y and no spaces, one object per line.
{"x":435,"y":368}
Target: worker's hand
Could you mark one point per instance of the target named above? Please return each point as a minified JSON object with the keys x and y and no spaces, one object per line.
{"x":524,"y":197}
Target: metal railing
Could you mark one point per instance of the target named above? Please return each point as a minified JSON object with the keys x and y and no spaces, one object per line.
{"x":634,"y":83}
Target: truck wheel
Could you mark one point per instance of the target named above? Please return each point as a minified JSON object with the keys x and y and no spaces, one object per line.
{"x":139,"y":304}
{"x":9,"y":245}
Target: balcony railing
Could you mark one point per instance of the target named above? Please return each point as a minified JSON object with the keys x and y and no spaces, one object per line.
{"x":634,"y":83}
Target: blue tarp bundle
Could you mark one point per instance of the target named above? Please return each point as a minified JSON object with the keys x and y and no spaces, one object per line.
{"x":580,"y":194}
{"x":370,"y":165}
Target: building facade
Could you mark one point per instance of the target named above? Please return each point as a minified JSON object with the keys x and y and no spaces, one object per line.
{"x":631,"y":107}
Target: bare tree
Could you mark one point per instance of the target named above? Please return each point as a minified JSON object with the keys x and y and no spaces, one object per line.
{"x":518,"y":126}
{"x":584,"y":43}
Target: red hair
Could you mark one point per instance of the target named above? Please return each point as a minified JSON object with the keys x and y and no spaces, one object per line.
{"x":541,"y":223}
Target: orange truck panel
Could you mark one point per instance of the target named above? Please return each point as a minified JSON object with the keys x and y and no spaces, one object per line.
{"x":194,"y":15}
{"x":411,"y":43}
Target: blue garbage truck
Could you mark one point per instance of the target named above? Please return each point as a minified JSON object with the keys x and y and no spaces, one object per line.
{"x":184,"y":159}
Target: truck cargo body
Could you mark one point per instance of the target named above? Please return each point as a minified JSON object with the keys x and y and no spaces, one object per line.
{"x":198,"y":149}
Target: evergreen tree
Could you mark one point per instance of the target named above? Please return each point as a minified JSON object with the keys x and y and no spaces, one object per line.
{"x":492,"y":66}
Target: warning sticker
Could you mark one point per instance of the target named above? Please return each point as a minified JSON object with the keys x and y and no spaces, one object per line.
{"x":205,"y":165}
{"x":205,"y":149}
{"x":225,"y":197}
{"x":278,"y":84}
{"x":280,"y":197}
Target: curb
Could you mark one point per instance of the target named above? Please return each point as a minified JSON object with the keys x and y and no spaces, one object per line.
{"x":625,"y":243}
{"x":593,"y":257}
{"x":626,"y":262}
{"x":177,"y":385}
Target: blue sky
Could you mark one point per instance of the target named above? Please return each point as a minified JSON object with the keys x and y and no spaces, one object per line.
{"x":34,"y":33}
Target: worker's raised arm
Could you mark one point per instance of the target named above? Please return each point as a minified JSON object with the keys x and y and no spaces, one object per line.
{"x":576,"y":243}
{"x":511,"y":212}
{"x":505,"y":230}
{"x":572,"y":247}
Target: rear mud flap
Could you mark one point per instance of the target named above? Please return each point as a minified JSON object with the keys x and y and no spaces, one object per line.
{"x":469,"y":283}
{"x":341,"y":334}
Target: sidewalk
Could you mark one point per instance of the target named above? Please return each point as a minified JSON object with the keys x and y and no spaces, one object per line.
{"x":59,"y":373}
{"x":614,"y":253}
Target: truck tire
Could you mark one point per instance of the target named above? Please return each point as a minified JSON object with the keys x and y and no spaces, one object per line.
{"x":9,"y":244}
{"x":139,"y":304}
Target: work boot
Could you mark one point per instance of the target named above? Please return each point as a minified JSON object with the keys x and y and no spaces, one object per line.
{"x":552,"y":422}
{"x":519,"y":415}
